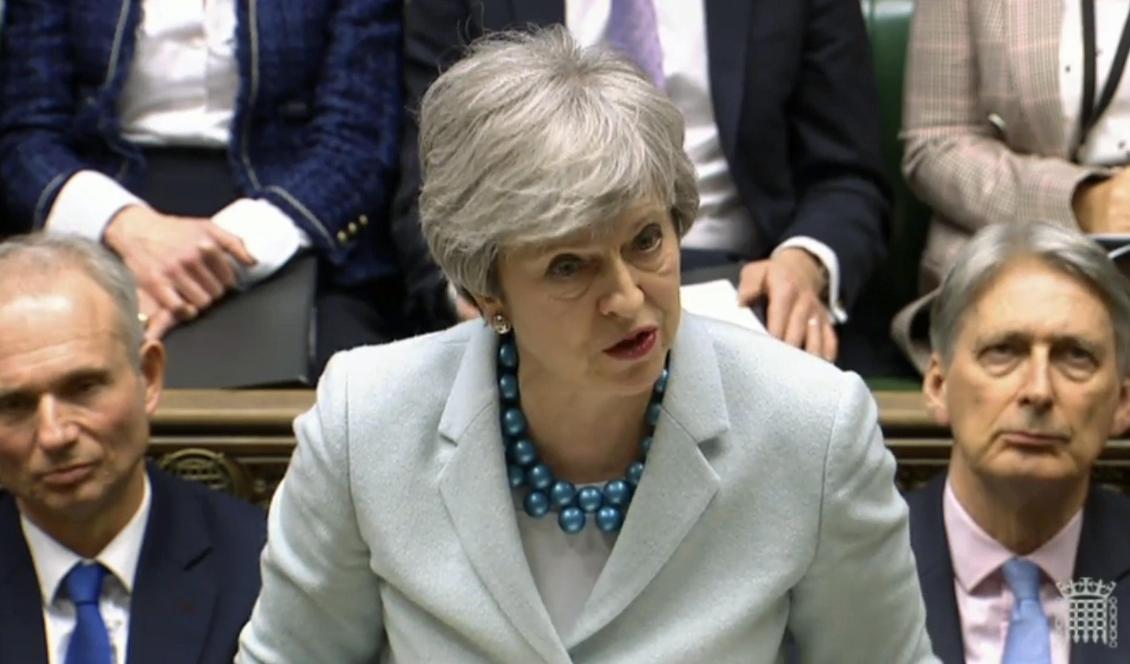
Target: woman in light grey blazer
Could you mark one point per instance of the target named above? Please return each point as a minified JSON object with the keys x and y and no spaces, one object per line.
{"x":592,"y":476}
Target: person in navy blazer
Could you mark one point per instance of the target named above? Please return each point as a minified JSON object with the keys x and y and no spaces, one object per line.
{"x":796,"y":109}
{"x":1031,"y":369}
{"x":75,"y":395}
{"x":314,"y":129}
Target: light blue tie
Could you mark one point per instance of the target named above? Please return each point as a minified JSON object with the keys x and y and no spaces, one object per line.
{"x":90,"y":643}
{"x":1029,"y":639}
{"x":633,"y":29}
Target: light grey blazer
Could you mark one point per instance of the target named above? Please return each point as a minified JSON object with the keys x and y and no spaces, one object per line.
{"x":768,"y":504}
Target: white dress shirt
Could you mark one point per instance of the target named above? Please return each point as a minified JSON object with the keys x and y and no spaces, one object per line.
{"x":1108,"y":143}
{"x":180,"y":91}
{"x":52,"y":563}
{"x":723,"y":222}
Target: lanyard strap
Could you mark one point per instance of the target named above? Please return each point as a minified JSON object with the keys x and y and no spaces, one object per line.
{"x":1090,"y":112}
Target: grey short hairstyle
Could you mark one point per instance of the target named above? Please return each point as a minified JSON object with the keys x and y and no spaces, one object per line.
{"x":997,"y":246}
{"x":531,"y":138}
{"x":42,"y":254}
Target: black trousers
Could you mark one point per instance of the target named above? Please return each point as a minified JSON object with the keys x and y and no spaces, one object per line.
{"x":198,"y":182}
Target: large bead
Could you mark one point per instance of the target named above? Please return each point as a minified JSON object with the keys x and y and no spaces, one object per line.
{"x":609,"y":519}
{"x":514,"y":422}
{"x":571,"y":520}
{"x":635,"y":472}
{"x":590,"y":499}
{"x":522,"y":452}
{"x":508,"y":355}
{"x":536,"y":504}
{"x":508,"y":387}
{"x":653,"y":410}
{"x":617,"y":493}
{"x":516,"y":475}
{"x":540,"y":477}
{"x":562,"y":494}
{"x":661,"y":382}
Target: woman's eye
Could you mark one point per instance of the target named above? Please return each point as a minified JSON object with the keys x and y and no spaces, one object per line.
{"x":563,"y":267}
{"x":649,"y":238}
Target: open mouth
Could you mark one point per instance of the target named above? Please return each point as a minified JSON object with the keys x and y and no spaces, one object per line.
{"x":635,"y":346}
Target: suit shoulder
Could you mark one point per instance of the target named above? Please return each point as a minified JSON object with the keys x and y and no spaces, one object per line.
{"x":762,"y":363}
{"x":235,"y":522}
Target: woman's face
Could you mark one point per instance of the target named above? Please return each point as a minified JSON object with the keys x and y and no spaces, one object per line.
{"x":595,"y":312}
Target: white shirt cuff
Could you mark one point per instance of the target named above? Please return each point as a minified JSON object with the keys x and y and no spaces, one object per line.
{"x":86,"y":204}
{"x":268,"y":234}
{"x":828,"y":259}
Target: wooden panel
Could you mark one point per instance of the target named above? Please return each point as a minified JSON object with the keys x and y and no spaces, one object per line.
{"x":241,"y":441}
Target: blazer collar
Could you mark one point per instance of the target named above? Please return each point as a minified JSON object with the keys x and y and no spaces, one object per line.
{"x":1104,"y":544}
{"x":935,"y":571}
{"x":1036,"y":70}
{"x":174,"y":595}
{"x":676,"y":488}
{"x":21,"y":604}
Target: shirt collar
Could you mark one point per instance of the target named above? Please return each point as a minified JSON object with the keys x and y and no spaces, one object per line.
{"x":53,"y":560}
{"x":976,"y":555}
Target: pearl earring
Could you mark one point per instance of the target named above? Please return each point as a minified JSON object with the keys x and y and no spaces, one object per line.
{"x":499,"y":324}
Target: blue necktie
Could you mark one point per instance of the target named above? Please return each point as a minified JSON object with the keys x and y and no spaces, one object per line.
{"x":1029,"y":639}
{"x":632,"y":29}
{"x":90,"y":642}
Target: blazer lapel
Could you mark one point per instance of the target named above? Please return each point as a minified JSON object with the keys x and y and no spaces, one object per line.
{"x":1104,"y":555}
{"x":173,"y":594}
{"x":727,"y":40}
{"x":1036,"y":70}
{"x":22,"y":635}
{"x":935,"y":572}
{"x":477,"y":495}
{"x":677,"y":485}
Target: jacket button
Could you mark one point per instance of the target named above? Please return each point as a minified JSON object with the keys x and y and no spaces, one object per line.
{"x":342,"y":237}
{"x":363,"y":220}
{"x":352,"y":228}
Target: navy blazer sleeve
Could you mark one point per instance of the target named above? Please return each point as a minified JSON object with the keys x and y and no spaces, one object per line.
{"x":834,"y":136}
{"x":350,"y":157}
{"x":39,"y":101}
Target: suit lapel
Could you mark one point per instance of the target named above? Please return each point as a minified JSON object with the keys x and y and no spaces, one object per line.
{"x":676,"y":488}
{"x":727,"y":39}
{"x":174,"y":595}
{"x":537,"y":12}
{"x":476,"y":493}
{"x":1032,"y":32}
{"x":22,"y":635}
{"x":1104,"y":555}
{"x":935,"y":572}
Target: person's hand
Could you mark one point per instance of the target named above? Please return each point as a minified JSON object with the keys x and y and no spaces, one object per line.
{"x":156,"y":320}
{"x":182,"y":264}
{"x":792,"y":282}
{"x":1103,"y":206}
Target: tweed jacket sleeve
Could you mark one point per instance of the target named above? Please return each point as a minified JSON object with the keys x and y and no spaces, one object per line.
{"x":983,"y":142}
{"x":349,"y":158}
{"x":39,"y":100}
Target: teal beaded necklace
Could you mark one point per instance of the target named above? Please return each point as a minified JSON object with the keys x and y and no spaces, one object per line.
{"x":546,"y":493}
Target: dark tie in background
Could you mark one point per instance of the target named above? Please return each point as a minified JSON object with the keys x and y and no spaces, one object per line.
{"x":1029,"y":638}
{"x":90,"y":643}
{"x":632,"y":28}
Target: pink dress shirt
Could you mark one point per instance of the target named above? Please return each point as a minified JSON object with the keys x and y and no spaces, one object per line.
{"x":984,"y":600}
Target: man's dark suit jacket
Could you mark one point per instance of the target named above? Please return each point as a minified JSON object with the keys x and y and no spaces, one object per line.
{"x":1104,"y":554}
{"x":197,"y":579}
{"x":795,"y":102}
